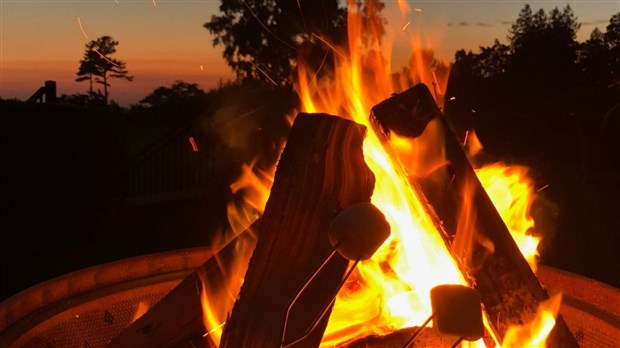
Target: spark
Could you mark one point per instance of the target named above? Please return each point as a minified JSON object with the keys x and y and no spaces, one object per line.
{"x":264,"y":73}
{"x":473,"y":111}
{"x":452,"y":98}
{"x":466,"y":138}
{"x":417,"y":10}
{"x":316,"y":74}
{"x":81,"y":28}
{"x":303,"y":20}
{"x":265,"y":27}
{"x":214,"y":329}
{"x":330,"y":46}
{"x":106,"y":58}
{"x":542,"y":188}
{"x":202,"y":67}
{"x":406,"y":25}
{"x":154,"y":3}
{"x":193,"y":143}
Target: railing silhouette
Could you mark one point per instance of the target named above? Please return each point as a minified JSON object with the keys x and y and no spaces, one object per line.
{"x":46,"y":94}
{"x":175,"y":166}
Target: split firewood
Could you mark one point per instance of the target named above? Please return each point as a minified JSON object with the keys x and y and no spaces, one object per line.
{"x":321,"y":172}
{"x":177,"y":319}
{"x":509,"y":289}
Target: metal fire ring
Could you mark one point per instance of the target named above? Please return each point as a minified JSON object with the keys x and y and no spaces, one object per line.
{"x":89,"y":307}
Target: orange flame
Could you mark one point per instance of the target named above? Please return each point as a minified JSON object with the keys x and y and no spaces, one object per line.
{"x":218,"y":293}
{"x":535,"y":333}
{"x":142,"y":308}
{"x":512,"y":192}
{"x":391,"y":290}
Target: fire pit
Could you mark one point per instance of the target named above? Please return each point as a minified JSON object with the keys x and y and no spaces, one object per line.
{"x":88,"y":308}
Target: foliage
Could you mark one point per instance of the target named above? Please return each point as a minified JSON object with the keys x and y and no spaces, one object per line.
{"x":542,"y":67}
{"x":612,"y":40}
{"x":171,"y":106}
{"x":266,"y":39}
{"x":543,"y":47}
{"x":263,"y":39}
{"x":179,"y":94}
{"x":98,"y":67}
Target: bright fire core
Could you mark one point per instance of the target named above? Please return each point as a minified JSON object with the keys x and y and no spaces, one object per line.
{"x":391,"y":290}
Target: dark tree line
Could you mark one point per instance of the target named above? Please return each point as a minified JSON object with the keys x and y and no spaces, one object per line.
{"x":542,"y":67}
{"x":551,"y":103}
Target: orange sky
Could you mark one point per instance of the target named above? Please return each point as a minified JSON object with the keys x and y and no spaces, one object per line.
{"x":41,"y":39}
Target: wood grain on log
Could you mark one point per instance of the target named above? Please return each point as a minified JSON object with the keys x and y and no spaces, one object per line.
{"x":321,"y":172}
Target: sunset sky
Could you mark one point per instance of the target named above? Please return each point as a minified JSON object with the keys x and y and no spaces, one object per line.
{"x":164,"y":41}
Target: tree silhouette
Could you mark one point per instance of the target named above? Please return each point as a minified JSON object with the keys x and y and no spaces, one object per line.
{"x":541,"y":67}
{"x":594,"y":60}
{"x":612,"y":39}
{"x":171,"y":106}
{"x":179,"y":94}
{"x":265,"y":39}
{"x":543,"y":47}
{"x":97,"y":66}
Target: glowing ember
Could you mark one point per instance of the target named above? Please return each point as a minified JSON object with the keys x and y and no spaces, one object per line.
{"x":192,"y":142}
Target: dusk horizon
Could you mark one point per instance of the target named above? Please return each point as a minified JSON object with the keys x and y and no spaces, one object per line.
{"x":163,"y":42}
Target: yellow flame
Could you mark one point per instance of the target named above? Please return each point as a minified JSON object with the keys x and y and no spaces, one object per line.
{"x":403,"y":7}
{"x":535,"y":333}
{"x":512,"y":192}
{"x":389,"y":291}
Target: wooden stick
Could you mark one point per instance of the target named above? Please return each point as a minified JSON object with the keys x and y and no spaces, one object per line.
{"x":321,"y":172}
{"x":509,"y":289}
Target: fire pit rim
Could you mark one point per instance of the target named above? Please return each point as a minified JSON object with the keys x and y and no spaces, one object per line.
{"x":21,"y":311}
{"x":80,"y":282}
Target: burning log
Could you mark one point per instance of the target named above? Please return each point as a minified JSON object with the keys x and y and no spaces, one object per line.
{"x":321,"y":172}
{"x":509,"y":289}
{"x":176,"y":320}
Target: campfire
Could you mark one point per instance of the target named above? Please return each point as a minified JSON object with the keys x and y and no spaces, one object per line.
{"x":453,"y":238}
{"x":283,"y":277}
{"x":354,"y":142}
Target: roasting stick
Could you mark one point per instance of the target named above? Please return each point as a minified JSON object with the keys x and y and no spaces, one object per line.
{"x":356,"y":233}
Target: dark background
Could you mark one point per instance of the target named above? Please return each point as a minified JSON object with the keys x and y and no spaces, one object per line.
{"x":86,"y":182}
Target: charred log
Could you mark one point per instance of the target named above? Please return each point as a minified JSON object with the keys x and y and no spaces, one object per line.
{"x":509,"y":289}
